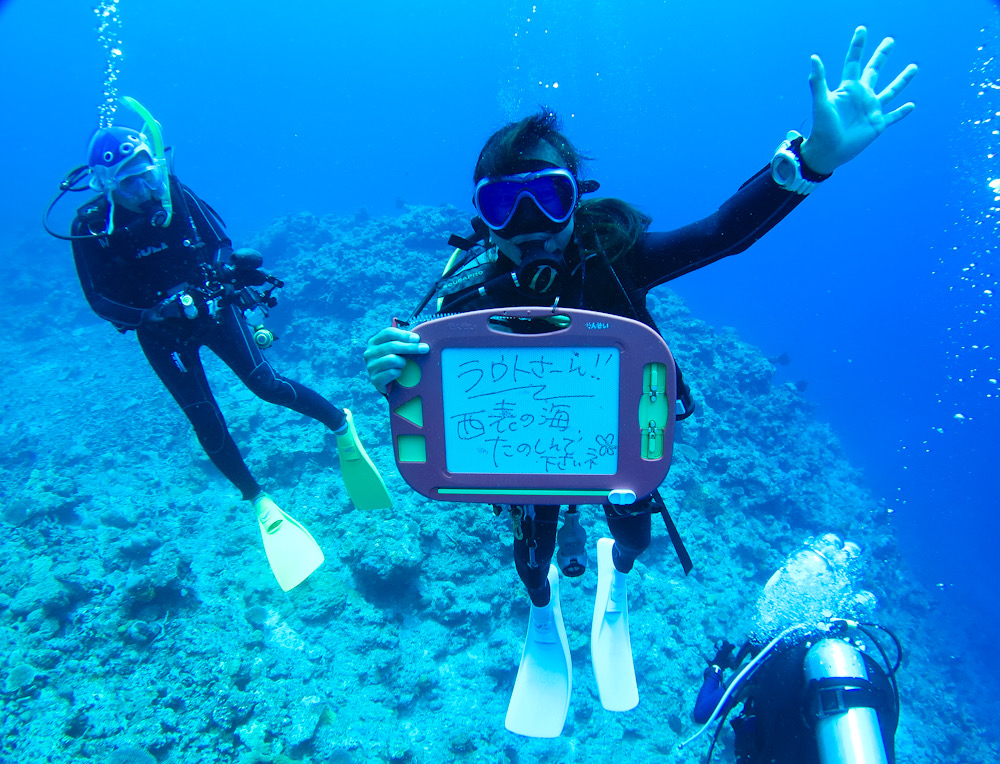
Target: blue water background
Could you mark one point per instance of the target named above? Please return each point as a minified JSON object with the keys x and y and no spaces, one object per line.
{"x":276,"y":108}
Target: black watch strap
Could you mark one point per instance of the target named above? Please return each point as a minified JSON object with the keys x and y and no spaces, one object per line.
{"x":807,"y":172}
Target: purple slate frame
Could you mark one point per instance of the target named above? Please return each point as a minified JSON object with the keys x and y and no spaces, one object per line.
{"x":638,"y":345}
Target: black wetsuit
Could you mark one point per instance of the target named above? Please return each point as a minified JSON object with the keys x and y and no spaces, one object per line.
{"x":139,"y":266}
{"x":621,"y":289}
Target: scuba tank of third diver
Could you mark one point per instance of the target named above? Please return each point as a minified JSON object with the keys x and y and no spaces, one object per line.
{"x":572,"y":538}
{"x":845,"y":735}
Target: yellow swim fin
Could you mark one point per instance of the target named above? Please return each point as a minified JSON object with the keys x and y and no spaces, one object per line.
{"x":291,"y":550}
{"x":361,"y":479}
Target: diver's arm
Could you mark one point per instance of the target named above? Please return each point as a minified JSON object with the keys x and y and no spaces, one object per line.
{"x":386,"y":354}
{"x":754,"y":210}
{"x":85,"y":251}
{"x":845,"y":122}
{"x":714,"y":685}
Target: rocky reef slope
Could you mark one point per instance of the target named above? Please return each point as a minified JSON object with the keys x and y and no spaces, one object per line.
{"x":139,"y":621}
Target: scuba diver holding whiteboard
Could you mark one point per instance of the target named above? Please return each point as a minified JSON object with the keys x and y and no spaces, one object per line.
{"x":539,"y":243}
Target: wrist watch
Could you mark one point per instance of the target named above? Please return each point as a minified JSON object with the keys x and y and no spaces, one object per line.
{"x":788,"y":169}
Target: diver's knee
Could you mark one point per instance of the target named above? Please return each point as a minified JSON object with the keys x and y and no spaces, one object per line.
{"x":266,"y":385}
{"x":208,"y":425}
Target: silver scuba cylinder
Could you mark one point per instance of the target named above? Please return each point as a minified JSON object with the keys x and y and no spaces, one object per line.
{"x":845,"y":735}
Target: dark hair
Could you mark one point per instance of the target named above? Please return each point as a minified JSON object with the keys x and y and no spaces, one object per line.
{"x":609,"y":226}
{"x":504,"y":149}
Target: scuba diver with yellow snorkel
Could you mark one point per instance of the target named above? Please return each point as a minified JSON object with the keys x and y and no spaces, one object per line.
{"x":153,"y":258}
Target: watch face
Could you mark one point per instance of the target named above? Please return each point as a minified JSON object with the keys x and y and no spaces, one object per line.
{"x":784,"y":169}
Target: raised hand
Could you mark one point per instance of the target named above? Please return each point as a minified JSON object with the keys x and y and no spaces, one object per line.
{"x":848,"y":119}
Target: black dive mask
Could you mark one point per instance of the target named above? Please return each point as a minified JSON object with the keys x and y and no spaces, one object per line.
{"x":540,"y":272}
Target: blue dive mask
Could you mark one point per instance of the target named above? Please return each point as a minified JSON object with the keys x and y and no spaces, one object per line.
{"x":554,"y":191}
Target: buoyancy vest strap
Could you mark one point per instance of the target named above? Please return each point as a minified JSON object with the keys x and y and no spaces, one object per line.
{"x":832,"y":695}
{"x":455,"y":264}
{"x":460,"y":243}
{"x":684,"y":396}
{"x":658,"y":505}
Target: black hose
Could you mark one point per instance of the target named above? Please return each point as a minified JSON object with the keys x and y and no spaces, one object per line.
{"x":891,"y":668}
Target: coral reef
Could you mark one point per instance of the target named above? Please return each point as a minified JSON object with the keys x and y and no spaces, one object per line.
{"x":139,"y":620}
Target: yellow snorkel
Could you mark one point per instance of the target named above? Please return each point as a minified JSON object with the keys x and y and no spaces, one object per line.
{"x":155,"y":133}
{"x":447,"y":270}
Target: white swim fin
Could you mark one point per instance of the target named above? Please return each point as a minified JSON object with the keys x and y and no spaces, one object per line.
{"x":610,"y":646}
{"x":540,"y":701}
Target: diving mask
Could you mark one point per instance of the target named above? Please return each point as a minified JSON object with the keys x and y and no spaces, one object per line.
{"x":553,"y":190}
{"x":140,"y":181}
{"x":124,"y":162}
